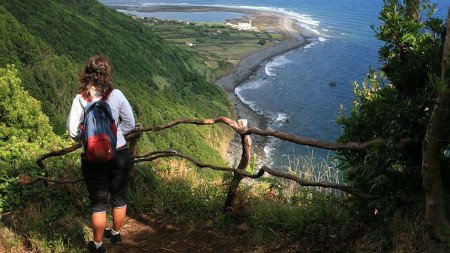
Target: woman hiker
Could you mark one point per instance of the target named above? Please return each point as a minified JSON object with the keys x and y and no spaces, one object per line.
{"x":105,"y":179}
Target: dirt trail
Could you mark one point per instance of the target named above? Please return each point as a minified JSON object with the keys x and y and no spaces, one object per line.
{"x":147,"y":234}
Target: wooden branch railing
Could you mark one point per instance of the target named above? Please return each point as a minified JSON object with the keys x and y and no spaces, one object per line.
{"x":260,"y":172}
{"x":243,"y":130}
{"x":171,"y":153}
{"x":239,"y":172}
{"x":242,"y":166}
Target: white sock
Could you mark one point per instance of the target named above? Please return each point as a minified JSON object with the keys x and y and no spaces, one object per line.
{"x":98,"y":244}
{"x":113,"y":232}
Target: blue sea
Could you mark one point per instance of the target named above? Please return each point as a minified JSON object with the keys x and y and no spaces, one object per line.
{"x":302,"y":91}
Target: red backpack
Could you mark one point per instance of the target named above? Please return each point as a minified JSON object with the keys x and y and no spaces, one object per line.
{"x":99,"y":132}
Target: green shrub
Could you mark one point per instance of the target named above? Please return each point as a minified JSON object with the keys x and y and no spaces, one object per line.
{"x":25,"y":133}
{"x":397,"y":112}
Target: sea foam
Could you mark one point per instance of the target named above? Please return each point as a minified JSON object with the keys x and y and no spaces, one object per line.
{"x":251,"y":85}
{"x":282,"y":117}
{"x":276,"y":62}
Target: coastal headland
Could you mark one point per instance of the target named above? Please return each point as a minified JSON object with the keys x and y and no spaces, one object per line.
{"x":260,"y":20}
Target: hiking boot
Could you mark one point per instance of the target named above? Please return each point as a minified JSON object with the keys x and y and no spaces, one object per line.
{"x":92,"y":248}
{"x":115,"y":239}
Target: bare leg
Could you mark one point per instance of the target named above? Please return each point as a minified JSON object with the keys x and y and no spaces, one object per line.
{"x":98,"y":226}
{"x":119,"y":214}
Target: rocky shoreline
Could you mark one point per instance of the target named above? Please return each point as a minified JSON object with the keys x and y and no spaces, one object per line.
{"x":247,"y":66}
{"x":243,"y":71}
{"x":263,"y":20}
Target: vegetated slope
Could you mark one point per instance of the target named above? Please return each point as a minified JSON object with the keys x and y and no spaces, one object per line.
{"x":50,"y":40}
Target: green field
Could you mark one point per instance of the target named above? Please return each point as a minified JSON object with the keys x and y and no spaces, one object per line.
{"x":220,"y":46}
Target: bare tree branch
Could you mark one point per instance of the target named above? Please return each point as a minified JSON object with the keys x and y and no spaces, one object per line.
{"x":171,"y":153}
{"x":233,"y":124}
{"x":277,"y":134}
{"x":302,"y":182}
{"x":161,"y":154}
{"x":40,"y":160}
{"x":260,"y":173}
{"x":244,"y":132}
{"x":238,"y":129}
{"x":314,"y":142}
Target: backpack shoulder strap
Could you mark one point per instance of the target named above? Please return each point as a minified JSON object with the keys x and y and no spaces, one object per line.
{"x":107,"y":95}
{"x":102,"y":106}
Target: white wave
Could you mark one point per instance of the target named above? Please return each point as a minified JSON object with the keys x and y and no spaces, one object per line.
{"x":321,"y":39}
{"x":269,"y":148}
{"x":282,"y":117}
{"x":309,"y":45}
{"x":268,"y":71}
{"x":252,"y":85}
{"x":276,"y":62}
{"x":249,"y":103}
{"x":163,"y":3}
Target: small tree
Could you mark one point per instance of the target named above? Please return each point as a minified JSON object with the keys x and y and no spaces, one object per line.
{"x":401,"y":113}
{"x":435,"y":141}
{"x":413,"y":45}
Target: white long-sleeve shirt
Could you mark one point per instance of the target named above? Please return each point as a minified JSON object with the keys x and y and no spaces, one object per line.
{"x":120,"y":108}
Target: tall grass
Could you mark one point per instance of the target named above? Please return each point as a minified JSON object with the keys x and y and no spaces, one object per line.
{"x":315,"y":169}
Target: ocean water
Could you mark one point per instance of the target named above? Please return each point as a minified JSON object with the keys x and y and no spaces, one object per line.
{"x":200,"y":16}
{"x":302,"y":91}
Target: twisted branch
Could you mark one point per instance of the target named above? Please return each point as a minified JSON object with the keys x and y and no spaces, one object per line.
{"x":40,"y":160}
{"x":342,"y":187}
{"x":314,"y":142}
{"x":170,"y":153}
{"x":161,"y":154}
{"x":244,"y":131}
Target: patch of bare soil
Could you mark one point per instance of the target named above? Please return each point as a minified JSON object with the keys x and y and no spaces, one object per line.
{"x":148,"y":234}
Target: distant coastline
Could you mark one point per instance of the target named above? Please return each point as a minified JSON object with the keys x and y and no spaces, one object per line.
{"x":263,"y":20}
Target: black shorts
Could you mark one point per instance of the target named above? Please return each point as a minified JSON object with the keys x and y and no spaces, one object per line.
{"x":108,"y":180}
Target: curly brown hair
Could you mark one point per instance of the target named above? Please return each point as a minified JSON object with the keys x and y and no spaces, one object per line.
{"x":97,"y":73}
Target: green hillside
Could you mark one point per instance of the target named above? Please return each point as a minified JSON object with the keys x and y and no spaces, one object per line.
{"x":49,"y":41}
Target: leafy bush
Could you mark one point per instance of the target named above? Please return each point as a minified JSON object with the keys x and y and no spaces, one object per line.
{"x":397,"y":112}
{"x":413,"y":46}
{"x":392,"y":168}
{"x":25,"y":133}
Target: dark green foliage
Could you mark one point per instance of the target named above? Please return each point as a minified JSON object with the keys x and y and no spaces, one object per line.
{"x":413,"y":48}
{"x":391,"y":169}
{"x":398,"y":112}
{"x":50,"y":40}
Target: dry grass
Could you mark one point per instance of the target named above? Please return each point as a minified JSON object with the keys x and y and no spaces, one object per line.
{"x":11,"y":242}
{"x":312,"y":168}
